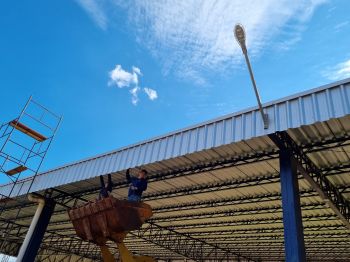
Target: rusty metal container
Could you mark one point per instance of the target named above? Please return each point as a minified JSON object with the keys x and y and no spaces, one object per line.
{"x":108,"y":218}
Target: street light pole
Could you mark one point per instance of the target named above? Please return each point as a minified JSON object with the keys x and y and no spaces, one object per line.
{"x":240,"y":37}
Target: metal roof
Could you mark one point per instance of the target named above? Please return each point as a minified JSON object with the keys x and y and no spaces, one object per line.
{"x":317,"y":105}
{"x":215,"y":184}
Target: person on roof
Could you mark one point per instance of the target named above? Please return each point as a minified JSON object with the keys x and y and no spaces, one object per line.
{"x":137,"y":184}
{"x":105,"y":189}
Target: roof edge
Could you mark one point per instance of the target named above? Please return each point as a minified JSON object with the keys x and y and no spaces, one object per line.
{"x":250,"y":109}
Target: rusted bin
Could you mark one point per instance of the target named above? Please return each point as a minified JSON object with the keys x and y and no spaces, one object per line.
{"x":108,"y":218}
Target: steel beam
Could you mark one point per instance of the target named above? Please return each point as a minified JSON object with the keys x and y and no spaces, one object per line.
{"x":258,"y":230}
{"x":315,"y":146}
{"x":182,"y":244}
{"x":36,"y":238}
{"x":67,"y":199}
{"x":202,"y":188}
{"x":52,"y":241}
{"x":185,"y":171}
{"x":321,"y":184}
{"x":217,"y":164}
{"x":251,"y":221}
{"x":292,"y":220}
{"x":312,"y":235}
{"x":186,"y":245}
{"x":232,"y":212}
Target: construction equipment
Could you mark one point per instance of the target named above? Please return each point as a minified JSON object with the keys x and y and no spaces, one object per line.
{"x":24,"y":143}
{"x":110,"y":219}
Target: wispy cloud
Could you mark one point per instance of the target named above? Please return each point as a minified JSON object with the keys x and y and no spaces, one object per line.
{"x":134,"y":95}
{"x":339,"y":71}
{"x":288,"y":43}
{"x":136,"y":70}
{"x":191,"y":38}
{"x":124,"y":79}
{"x":151,"y":93}
{"x":340,"y":26}
{"x":96,"y":11}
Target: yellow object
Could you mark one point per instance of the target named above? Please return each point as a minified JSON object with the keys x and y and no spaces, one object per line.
{"x":106,"y":254}
{"x":127,"y":256}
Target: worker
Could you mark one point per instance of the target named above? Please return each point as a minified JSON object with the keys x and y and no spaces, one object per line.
{"x":105,"y":189}
{"x":137,"y":184}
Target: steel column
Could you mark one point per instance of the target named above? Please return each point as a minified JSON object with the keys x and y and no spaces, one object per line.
{"x":292,"y":221}
{"x":39,"y":231}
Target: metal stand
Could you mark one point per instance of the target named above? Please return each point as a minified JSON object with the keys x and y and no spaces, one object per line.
{"x":24,"y":142}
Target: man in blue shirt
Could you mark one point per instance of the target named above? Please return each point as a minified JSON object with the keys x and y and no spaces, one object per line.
{"x":137,"y":184}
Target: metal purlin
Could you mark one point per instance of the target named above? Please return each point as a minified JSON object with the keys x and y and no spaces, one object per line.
{"x":64,"y":198}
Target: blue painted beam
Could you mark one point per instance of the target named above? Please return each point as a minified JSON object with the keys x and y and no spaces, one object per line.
{"x":292,"y":220}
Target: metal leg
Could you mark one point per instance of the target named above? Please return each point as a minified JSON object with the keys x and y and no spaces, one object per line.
{"x":39,"y":231}
{"x":125,"y":254}
{"x":106,"y":254}
{"x":293,"y":227}
{"x":110,"y":183}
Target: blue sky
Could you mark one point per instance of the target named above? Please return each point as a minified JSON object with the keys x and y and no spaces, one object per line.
{"x":124,"y":71}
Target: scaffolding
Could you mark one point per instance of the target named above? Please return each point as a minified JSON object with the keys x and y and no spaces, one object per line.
{"x":24,"y":143}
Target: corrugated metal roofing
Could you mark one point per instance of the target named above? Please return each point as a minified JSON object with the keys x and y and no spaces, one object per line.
{"x":317,"y":105}
{"x":239,"y":206}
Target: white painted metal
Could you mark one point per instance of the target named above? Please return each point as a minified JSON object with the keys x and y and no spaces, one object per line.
{"x":41,"y":203}
{"x":303,"y":111}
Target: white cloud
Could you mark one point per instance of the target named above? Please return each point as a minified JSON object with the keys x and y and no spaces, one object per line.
{"x":122,"y":78}
{"x":151,"y":93}
{"x":134,"y":95}
{"x":338,"y":72}
{"x":96,"y":11}
{"x":191,"y":38}
{"x":197,"y":36}
{"x":136,"y":70}
{"x":340,"y":26}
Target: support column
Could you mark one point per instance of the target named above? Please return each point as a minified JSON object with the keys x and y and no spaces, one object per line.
{"x":292,"y":220}
{"x":38,"y":233}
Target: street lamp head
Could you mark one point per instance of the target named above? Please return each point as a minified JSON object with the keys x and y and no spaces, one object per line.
{"x":240,"y":36}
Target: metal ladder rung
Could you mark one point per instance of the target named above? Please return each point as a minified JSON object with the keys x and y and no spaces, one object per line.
{"x":16,"y":170}
{"x":30,"y":132}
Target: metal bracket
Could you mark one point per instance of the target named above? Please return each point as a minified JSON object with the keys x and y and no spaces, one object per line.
{"x":266,"y":121}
